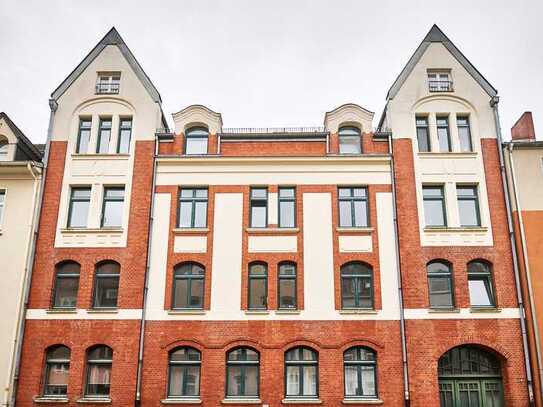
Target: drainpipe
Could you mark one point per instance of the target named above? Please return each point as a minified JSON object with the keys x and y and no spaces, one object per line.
{"x":407,"y":400}
{"x":30,"y":260}
{"x":516,"y":194}
{"x":494,"y":104}
{"x":137,"y":400}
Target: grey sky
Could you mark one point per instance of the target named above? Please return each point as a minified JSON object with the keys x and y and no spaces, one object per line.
{"x":267,"y":63}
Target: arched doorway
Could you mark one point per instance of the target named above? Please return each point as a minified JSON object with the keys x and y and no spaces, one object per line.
{"x":470,"y":377}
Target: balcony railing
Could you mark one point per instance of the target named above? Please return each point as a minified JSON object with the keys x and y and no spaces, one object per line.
{"x":107,"y":88}
{"x":273,"y":130}
{"x":440,"y":86}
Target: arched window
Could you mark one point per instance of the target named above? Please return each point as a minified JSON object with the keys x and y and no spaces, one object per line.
{"x":242,"y":373}
{"x":287,"y":285}
{"x":196,"y":140}
{"x":440,"y":287}
{"x":258,"y":286}
{"x":356,"y":286}
{"x":106,"y":284}
{"x":184,"y":373}
{"x":481,"y":288}
{"x":57,"y":370}
{"x":99,"y":361}
{"x":4,"y":146}
{"x":188,"y":286}
{"x":66,"y":285}
{"x":301,"y":373}
{"x":349,"y":140}
{"x":360,"y":366}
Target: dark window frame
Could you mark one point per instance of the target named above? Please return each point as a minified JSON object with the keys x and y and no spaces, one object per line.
{"x":287,"y":277}
{"x":92,"y":362}
{"x":121,"y":128}
{"x":243,"y":364}
{"x":66,"y":275}
{"x":283,"y":199}
{"x":359,"y":363}
{"x":72,"y":200}
{"x":426,"y":127}
{"x":352,"y":199}
{"x":189,"y":136}
{"x":257,"y":277}
{"x":441,"y":198}
{"x":48,"y":365}
{"x":106,"y":199}
{"x":184,"y":363}
{"x":193,"y":200}
{"x":190,"y":278}
{"x":352,"y":131}
{"x":467,"y":126}
{"x":80,"y":128}
{"x":101,"y":127}
{"x":301,"y":364}
{"x":474,"y":198}
{"x":253,"y":201}
{"x":449,"y":274}
{"x":487,"y":276}
{"x":98,"y":275}
{"x":448,"y":129}
{"x":366,"y":271}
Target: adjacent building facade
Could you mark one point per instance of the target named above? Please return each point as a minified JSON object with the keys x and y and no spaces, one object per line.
{"x":331,"y":265}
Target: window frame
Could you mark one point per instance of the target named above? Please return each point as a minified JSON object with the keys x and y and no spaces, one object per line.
{"x":441,"y":198}
{"x":251,"y":205}
{"x":352,"y":199}
{"x":244,"y":364}
{"x":426,"y":126}
{"x":359,"y":363}
{"x":190,"y":278}
{"x":441,"y":275}
{"x":439,"y":79}
{"x":3,"y":194}
{"x":101,"y":128}
{"x":193,"y":200}
{"x":92,"y":362}
{"x":110,"y":87}
{"x":105,"y":199}
{"x":286,"y":200}
{"x":80,"y":128}
{"x":358,"y":133}
{"x":287,"y":277}
{"x":74,"y":188}
{"x":467,"y":126}
{"x":195,"y":136}
{"x":66,"y":275}
{"x":184,"y":363}
{"x":301,"y":364}
{"x":447,"y":127}
{"x":98,"y":276}
{"x":50,"y":361}
{"x":367,"y":271}
{"x":121,"y":128}
{"x":474,"y":198}
{"x":257,"y":277}
{"x":486,"y":276}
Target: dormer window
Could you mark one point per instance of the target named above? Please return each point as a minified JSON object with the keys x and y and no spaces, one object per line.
{"x":439,"y":81}
{"x":349,"y":140}
{"x":196,"y":141}
{"x":108,"y":83}
{"x":4,"y":146}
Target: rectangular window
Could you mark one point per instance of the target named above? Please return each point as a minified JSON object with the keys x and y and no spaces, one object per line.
{"x":464,"y":133}
{"x":423,"y":134}
{"x":83,"y":136}
{"x":287,"y":286}
{"x":258,"y":286}
{"x":434,"y":206}
{"x":2,"y":205}
{"x":78,"y":211}
{"x":259,"y":207}
{"x":468,"y":205}
{"x":353,"y":207}
{"x":439,"y":82}
{"x":125,"y":132}
{"x":443,"y":134}
{"x":193,"y":208}
{"x":104,"y":136}
{"x":287,"y":207}
{"x":108,"y":82}
{"x":112,"y":209}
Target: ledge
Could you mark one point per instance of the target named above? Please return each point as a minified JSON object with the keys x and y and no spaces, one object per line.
{"x":181,"y":401}
{"x":288,"y":312}
{"x":50,"y":399}
{"x":91,"y":230}
{"x":272,"y":230}
{"x":354,"y":230}
{"x":358,"y":311}
{"x":301,"y":401}
{"x":103,"y":311}
{"x":476,"y":310}
{"x":241,"y":401}
{"x":95,"y":400}
{"x":445,"y":229}
{"x":257,"y":312}
{"x":61,"y":311}
{"x":362,"y":401}
{"x":189,"y":231}
{"x":443,"y":310}
{"x":186,"y":312}
{"x":99,"y":156}
{"x":441,"y":154}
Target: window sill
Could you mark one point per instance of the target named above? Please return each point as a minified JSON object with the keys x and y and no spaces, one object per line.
{"x":94,"y":400}
{"x":455,"y":229}
{"x":354,"y":230}
{"x":476,"y":310}
{"x":186,"y":312}
{"x":103,"y":311}
{"x":190,"y":230}
{"x":362,"y":401}
{"x":257,"y":312}
{"x":287,"y":312}
{"x":443,"y":310}
{"x":99,"y":156}
{"x":50,"y":399}
{"x":358,"y":311}
{"x":180,"y":401}
{"x":439,"y":154}
{"x":272,"y":230}
{"x":61,"y":311}
{"x":241,"y":401}
{"x":91,"y":230}
{"x":301,"y":401}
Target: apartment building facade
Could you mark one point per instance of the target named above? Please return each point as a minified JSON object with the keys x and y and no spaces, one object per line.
{"x":20,"y":178}
{"x":313,"y":266}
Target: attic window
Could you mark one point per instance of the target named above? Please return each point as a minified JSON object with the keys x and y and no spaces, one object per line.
{"x":440,"y":81}
{"x":4,"y":145}
{"x":108,"y":82}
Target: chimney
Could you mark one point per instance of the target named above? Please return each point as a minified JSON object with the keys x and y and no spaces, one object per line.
{"x":523,"y":129}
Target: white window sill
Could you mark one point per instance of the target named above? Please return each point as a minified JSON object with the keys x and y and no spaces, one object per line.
{"x":272,"y":230}
{"x":478,"y":310}
{"x":288,"y":312}
{"x":186,"y":312}
{"x":451,"y":229}
{"x":91,"y":230}
{"x":301,"y":401}
{"x":444,"y":310}
{"x":61,"y":311}
{"x":94,"y":400}
{"x":103,"y":311}
{"x":358,"y":311}
{"x":50,"y":399}
{"x":99,"y":156}
{"x":449,"y":154}
{"x":181,"y":401}
{"x":257,"y":312}
{"x":362,"y":401}
{"x":190,"y":230}
{"x":354,"y":229}
{"x":241,"y":401}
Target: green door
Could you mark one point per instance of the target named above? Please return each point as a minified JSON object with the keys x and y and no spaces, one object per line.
{"x":471,"y":393}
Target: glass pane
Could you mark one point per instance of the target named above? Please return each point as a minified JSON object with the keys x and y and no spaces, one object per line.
{"x":432,"y":191}
{"x":469,"y":214}
{"x":361,"y":213}
{"x":113,"y":214}
{"x":443,"y":137}
{"x":434,"y":212}
{"x":465,"y":138}
{"x":185,"y":215}
{"x":286,"y":214}
{"x":258,"y":270}
{"x":196,"y":146}
{"x":197,"y":293}
{"x":293,"y":381}
{"x":106,"y":292}
{"x":258,"y":216}
{"x":187,"y":193}
{"x":181,"y":293}
{"x":478,"y":267}
{"x":79,"y":214}
{"x":348,"y":290}
{"x":60,"y":352}
{"x":437,"y":267}
{"x":251,"y":381}
{"x":351,"y":381}
{"x":259,"y":193}
{"x":98,"y":380}
{"x":235,"y":381}
{"x":197,"y":131}
{"x":308,"y":354}
{"x":446,"y":395}
{"x":101,"y":353}
{"x":185,"y":354}
{"x":360,"y":192}
{"x":114,"y":193}
{"x":103,"y":141}
{"x":366,"y":292}
{"x":258,"y":295}
{"x":200,"y":193}
{"x":192,"y":381}
{"x":345,"y":215}
{"x":57,"y":378}
{"x":423,"y":139}
{"x":84,"y":137}
{"x":480,"y":293}
{"x":286,"y":192}
{"x":310,"y":380}
{"x":177,"y":375}
{"x":287,"y":293}
{"x":368,"y":381}
{"x":344,"y":192}
{"x":349,"y":144}
{"x":200,"y":214}
{"x":108,"y":268}
{"x":66,"y":292}
{"x":124,"y":141}
{"x":440,"y":291}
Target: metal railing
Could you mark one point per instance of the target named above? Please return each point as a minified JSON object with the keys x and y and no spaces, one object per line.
{"x":107,"y":88}
{"x":273,"y":130}
{"x":440,"y":86}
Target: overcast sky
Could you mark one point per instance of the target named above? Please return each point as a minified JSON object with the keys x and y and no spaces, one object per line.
{"x":267,"y":63}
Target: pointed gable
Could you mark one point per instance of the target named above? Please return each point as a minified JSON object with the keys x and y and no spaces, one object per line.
{"x":25,"y":150}
{"x":435,"y":35}
{"x":111,"y":38}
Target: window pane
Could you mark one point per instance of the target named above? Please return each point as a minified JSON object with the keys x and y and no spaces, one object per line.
{"x":104,"y":135}
{"x":200,"y":214}
{"x":440,"y":291}
{"x":106,"y":292}
{"x":113,"y":213}
{"x":83,"y":142}
{"x":286,"y":214}
{"x":366,"y":292}
{"x":349,"y":144}
{"x":259,"y":193}
{"x":185,"y":354}
{"x":293,"y":381}
{"x":98,"y":380}
{"x":287,"y":293}
{"x":344,"y":192}
{"x":258,"y":216}
{"x":465,"y":138}
{"x":196,"y":146}
{"x":181,"y":293}
{"x":286,"y":192}
{"x":310,"y":380}
{"x":192,"y":381}
{"x":196,"y":292}
{"x":433,"y":213}
{"x":177,"y":375}
{"x":79,"y":214}
{"x":258,"y":269}
{"x":185,"y":215}
{"x":66,"y":292}
{"x":345,"y":215}
{"x":480,"y":292}
{"x":361,"y":213}
{"x":423,"y":139}
{"x":348,"y":290}
{"x":235,"y":381}
{"x":443,"y":135}
{"x":351,"y":381}
{"x":257,"y":290}
{"x":368,"y":381}
{"x":251,"y":381}
{"x":469,"y":214}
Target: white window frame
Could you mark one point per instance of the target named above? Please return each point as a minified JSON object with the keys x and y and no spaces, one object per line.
{"x":109,"y":82}
{"x":439,"y":76}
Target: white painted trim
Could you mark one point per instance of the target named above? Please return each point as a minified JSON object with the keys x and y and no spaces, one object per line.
{"x":462,"y":313}
{"x":35,"y":313}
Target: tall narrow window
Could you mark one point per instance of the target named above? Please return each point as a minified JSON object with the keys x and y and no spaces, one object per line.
{"x":125,"y":133}
{"x":112,"y":209}
{"x":258,"y":286}
{"x":443,"y":134}
{"x":464,"y":133}
{"x":440,"y":285}
{"x":349,"y":140}
{"x":66,"y":285}
{"x":78,"y":211}
{"x":356,"y":286}
{"x":188,"y":286}
{"x":360,"y":366}
{"x":184,"y":373}
{"x":434,"y":206}
{"x":106,"y":285}
{"x":99,"y":362}
{"x":196,"y":140}
{"x":104,"y":136}
{"x":259,"y":207}
{"x":242,"y":373}
{"x":83,"y":136}
{"x":287,"y":207}
{"x":2,"y":205}
{"x":468,"y":205}
{"x":57,"y":370}
{"x":423,"y":134}
{"x":481,"y":289}
{"x":353,"y":207}
{"x":193,"y":208}
{"x":287,"y":285}
{"x":301,"y":373}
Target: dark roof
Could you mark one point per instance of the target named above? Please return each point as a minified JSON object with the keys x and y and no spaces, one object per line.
{"x":25,"y":149}
{"x":111,"y":38}
{"x":436,"y":35}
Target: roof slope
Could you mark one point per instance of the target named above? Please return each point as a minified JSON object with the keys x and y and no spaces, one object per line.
{"x":436,"y":35}
{"x":111,"y":38}
{"x":25,"y":149}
